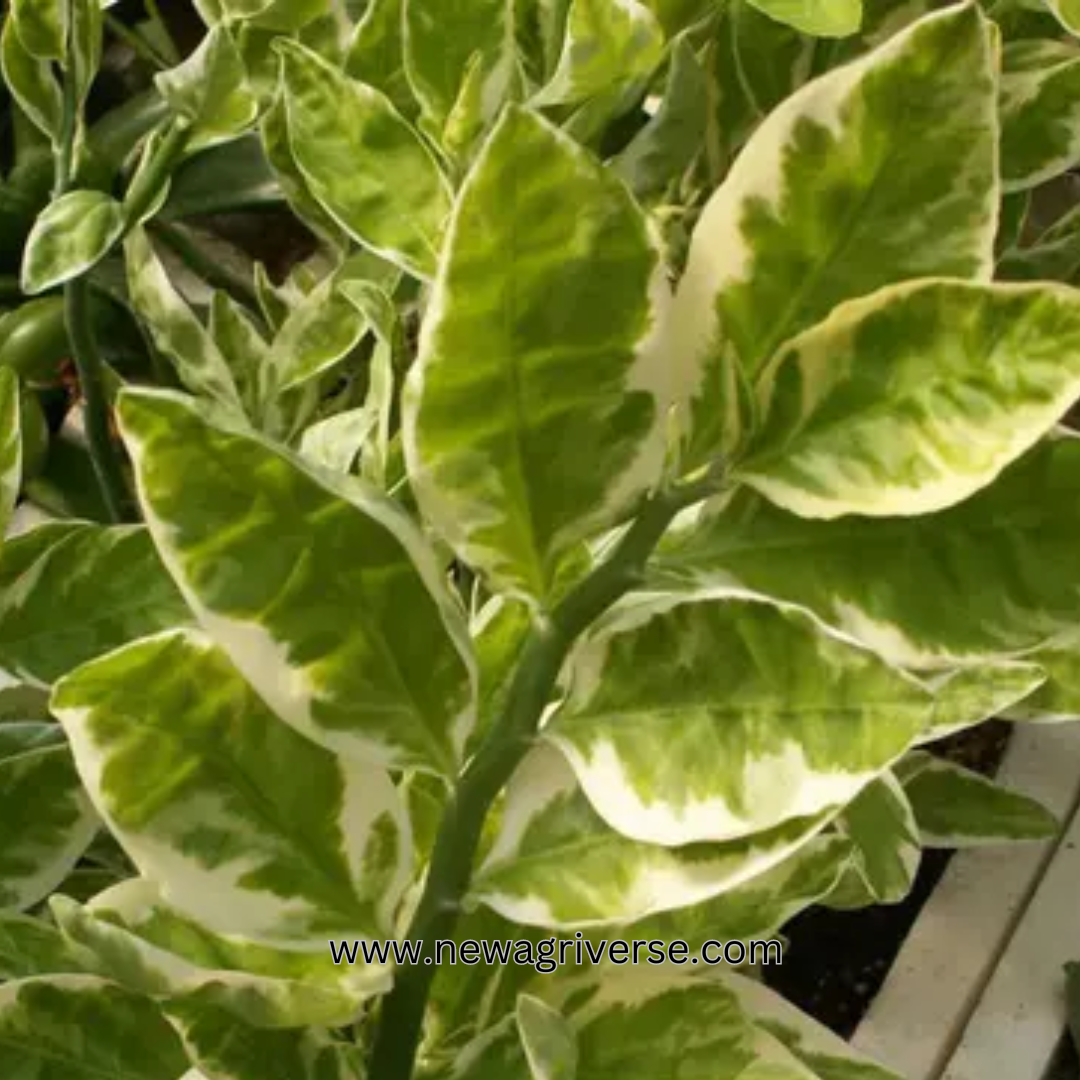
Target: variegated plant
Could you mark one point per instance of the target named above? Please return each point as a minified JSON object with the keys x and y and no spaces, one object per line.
{"x":664,"y":447}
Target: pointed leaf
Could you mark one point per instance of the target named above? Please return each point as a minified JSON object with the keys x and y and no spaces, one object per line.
{"x":42,"y":26}
{"x":364,"y":163}
{"x":548,"y":1040}
{"x":971,"y":695}
{"x":75,"y":1027}
{"x":538,"y":280}
{"x":210,"y":90}
{"x":607,"y":42}
{"x":135,"y":938}
{"x":1040,"y":112}
{"x":31,"y":82}
{"x":93,"y":590}
{"x":821,"y":18}
{"x":173,"y":326}
{"x":1058,"y":698}
{"x":70,"y":236}
{"x":556,"y":863}
{"x":241,"y":344}
{"x":955,"y":807}
{"x":249,"y":828}
{"x":376,"y":54}
{"x":336,"y":442}
{"x":913,"y":589}
{"x":670,"y":141}
{"x":437,"y":61}
{"x":714,"y":718}
{"x":269,"y":556}
{"x":880,"y":171}
{"x":911,"y":400}
{"x":46,"y":823}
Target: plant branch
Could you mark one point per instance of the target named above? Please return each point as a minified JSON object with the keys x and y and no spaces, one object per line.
{"x":402,"y":1013}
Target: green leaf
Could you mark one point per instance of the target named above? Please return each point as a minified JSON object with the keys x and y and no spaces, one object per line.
{"x":827,"y":1055}
{"x":75,"y":1027}
{"x":87,"y":43}
{"x":234,"y":175}
{"x":336,"y":442}
{"x":10,"y":448}
{"x":227,"y":1050}
{"x":556,"y":863}
{"x":364,"y":163}
{"x":1040,"y":112}
{"x":821,"y":18}
{"x":955,"y":807}
{"x":1058,"y":698}
{"x":538,"y":280}
{"x":437,"y":62}
{"x":135,"y":938}
{"x":762,"y":716}
{"x":250,"y":828}
{"x":174,"y":328}
{"x":607,"y":42}
{"x":881,"y":171}
{"x":210,"y":90}
{"x":21,"y":737}
{"x":376,"y":54}
{"x":70,"y":236}
{"x":970,"y":695}
{"x":911,"y":400}
{"x":31,"y":82}
{"x":913,"y":589}
{"x":30,"y":947}
{"x":242,"y":345}
{"x":46,"y":823}
{"x":392,"y":684}
{"x":885,"y":840}
{"x":547,"y":1039}
{"x":636,"y":1024}
{"x":667,"y":145}
{"x":91,"y":591}
{"x":1067,"y":13}
{"x":42,"y":26}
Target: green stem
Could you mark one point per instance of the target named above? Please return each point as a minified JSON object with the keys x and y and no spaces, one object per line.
{"x":216,"y":274}
{"x":103,"y":452}
{"x":402,"y":1013}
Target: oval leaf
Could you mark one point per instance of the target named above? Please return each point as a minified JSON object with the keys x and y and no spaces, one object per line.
{"x":70,"y":236}
{"x":514,"y":453}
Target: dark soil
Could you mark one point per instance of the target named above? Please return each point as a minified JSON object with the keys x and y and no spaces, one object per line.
{"x":836,"y":961}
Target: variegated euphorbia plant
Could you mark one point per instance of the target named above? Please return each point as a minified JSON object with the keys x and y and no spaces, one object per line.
{"x":662,"y":450}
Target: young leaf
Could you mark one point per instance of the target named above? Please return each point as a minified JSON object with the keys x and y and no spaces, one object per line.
{"x":31,"y":82}
{"x":540,"y":281}
{"x":336,"y":442}
{"x":228,"y":1050}
{"x":10,"y":447}
{"x":168,"y":737}
{"x":710,"y":718}
{"x":364,"y":163}
{"x":76,"y":1027}
{"x":955,"y":807}
{"x":1040,"y":112}
{"x":885,"y":840}
{"x":547,"y":1039}
{"x":670,"y":141}
{"x":89,"y":592}
{"x":135,"y":938}
{"x":42,"y":26}
{"x":243,"y":347}
{"x":557,"y":863}
{"x":392,"y":684}
{"x":70,"y":237}
{"x":821,"y":18}
{"x":913,"y":589}
{"x":174,"y":328}
{"x":881,"y":171}
{"x":437,"y":62}
{"x":210,"y":90}
{"x":607,"y":42}
{"x":46,"y":823}
{"x":911,"y":400}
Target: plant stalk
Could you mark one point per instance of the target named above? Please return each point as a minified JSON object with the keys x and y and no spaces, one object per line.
{"x":401,"y":1018}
